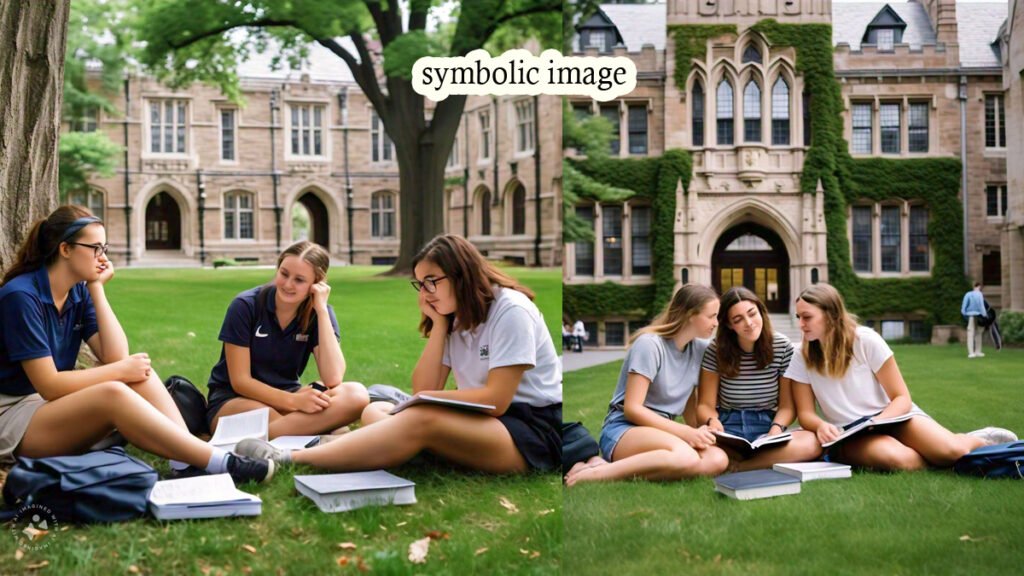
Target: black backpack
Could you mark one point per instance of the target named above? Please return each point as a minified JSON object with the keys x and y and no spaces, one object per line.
{"x":103,"y":486}
{"x":577,"y":445}
{"x":191,"y":403}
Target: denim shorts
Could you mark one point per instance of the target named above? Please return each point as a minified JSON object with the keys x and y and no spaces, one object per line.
{"x":749,"y":424}
{"x":615,"y":425}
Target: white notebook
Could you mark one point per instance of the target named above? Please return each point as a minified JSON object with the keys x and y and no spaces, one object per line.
{"x":343,"y":492}
{"x":807,"y":471}
{"x":212,"y":496}
{"x":426,"y":399}
{"x":233,"y":429}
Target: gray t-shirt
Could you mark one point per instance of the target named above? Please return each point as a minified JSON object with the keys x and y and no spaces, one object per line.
{"x":673,"y":373}
{"x":513,"y":334}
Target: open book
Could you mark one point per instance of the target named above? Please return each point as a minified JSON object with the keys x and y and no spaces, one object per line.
{"x":756,"y":484}
{"x":425,"y":399}
{"x":869,"y":424}
{"x":233,"y":429}
{"x":746,"y":448}
{"x":807,"y":471}
{"x":212,"y":496}
{"x":343,"y":492}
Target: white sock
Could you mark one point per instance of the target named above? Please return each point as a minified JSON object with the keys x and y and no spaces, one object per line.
{"x":218,"y":461}
{"x":177,"y":465}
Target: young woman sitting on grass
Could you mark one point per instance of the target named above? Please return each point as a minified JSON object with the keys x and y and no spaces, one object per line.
{"x":484,"y":327}
{"x":742,"y":387}
{"x":51,"y":301}
{"x":641,"y":437}
{"x":851,"y":373}
{"x":268,"y":335}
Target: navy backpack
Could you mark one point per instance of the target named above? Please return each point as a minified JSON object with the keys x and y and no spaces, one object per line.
{"x":104,"y":486}
{"x":995,"y":461}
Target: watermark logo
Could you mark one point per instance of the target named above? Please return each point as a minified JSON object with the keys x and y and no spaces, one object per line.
{"x":34,"y":527}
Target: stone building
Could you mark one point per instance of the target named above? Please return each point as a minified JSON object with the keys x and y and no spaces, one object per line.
{"x":208,"y":178}
{"x":918,"y":79}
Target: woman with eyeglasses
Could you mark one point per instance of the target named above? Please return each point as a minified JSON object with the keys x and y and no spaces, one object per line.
{"x":52,"y":300}
{"x":268,"y":335}
{"x":483,"y":326}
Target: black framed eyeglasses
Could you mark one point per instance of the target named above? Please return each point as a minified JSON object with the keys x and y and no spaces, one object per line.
{"x":97,"y":249}
{"x":430,"y":284}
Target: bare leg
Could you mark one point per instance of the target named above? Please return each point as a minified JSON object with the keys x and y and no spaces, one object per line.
{"x":803,"y":447}
{"x":239,"y":405}
{"x":98,"y":409}
{"x":472,"y":440}
{"x":652,"y":454}
{"x":934,"y":443}
{"x":376,"y":412}
{"x":154,"y":391}
{"x":881,"y":452}
{"x":347,"y":402}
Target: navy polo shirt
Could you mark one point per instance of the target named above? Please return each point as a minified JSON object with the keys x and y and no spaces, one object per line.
{"x":33,"y":328}
{"x":277,"y":357}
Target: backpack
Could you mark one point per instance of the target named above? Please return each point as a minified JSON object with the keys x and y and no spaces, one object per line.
{"x":104,"y":486}
{"x":190,"y":402}
{"x":995,"y":461}
{"x":577,"y":445}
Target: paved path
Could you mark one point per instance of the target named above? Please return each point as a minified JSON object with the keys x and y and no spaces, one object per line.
{"x":579,"y":360}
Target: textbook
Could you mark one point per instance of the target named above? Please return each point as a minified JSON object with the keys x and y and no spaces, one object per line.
{"x":425,"y":399}
{"x":386,"y":393}
{"x":233,"y":429}
{"x":869,"y":424}
{"x":213,"y":496}
{"x":344,"y":492}
{"x":807,"y":471}
{"x":295,"y":442}
{"x":746,"y":448}
{"x":756,"y":484}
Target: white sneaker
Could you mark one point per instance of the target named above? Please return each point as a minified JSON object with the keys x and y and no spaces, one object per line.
{"x":972,"y":355}
{"x":992,"y":435}
{"x":979,"y":355}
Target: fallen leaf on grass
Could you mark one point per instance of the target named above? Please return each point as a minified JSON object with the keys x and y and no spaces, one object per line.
{"x":38,"y":565}
{"x":249,"y":548}
{"x":34,"y":533}
{"x":969,"y":538}
{"x":437,"y":535}
{"x":480,"y":551}
{"x":400,"y":524}
{"x":19,"y":554}
{"x":508,"y":505}
{"x":246,"y":569}
{"x":545,"y":512}
{"x":342,"y":561}
{"x":347,"y":546}
{"x":133,"y":569}
{"x":418,"y":550}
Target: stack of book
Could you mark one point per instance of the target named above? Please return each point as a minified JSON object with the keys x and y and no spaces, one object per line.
{"x":213,"y":496}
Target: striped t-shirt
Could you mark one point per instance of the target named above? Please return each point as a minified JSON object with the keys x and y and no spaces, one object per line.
{"x":753,"y":388}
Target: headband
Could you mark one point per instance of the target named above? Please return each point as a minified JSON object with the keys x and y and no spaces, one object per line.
{"x":76,"y":226}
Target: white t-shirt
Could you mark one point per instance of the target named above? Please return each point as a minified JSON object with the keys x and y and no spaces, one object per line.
{"x":513,"y":334}
{"x":578,"y":329}
{"x":858,"y":393}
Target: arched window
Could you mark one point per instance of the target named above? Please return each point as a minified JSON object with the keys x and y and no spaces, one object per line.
{"x":751,"y":54}
{"x":90,"y":198}
{"x":519,"y":210}
{"x":382,"y":215}
{"x":697,"y":111}
{"x":238,"y":216}
{"x":780,"y":113}
{"x":724,"y":109}
{"x":752,"y":112}
{"x":485,"y":213}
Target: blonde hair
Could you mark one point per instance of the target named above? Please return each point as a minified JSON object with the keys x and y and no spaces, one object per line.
{"x":317,"y":257}
{"x":685,"y":304}
{"x":831,"y":354}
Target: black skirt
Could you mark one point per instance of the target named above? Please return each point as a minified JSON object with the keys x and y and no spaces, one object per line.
{"x":537,"y":433}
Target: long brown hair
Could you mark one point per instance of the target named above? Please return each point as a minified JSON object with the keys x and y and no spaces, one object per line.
{"x":831,"y":354}
{"x":320,"y":260}
{"x":41,"y":245}
{"x":685,"y":304}
{"x":473,"y":279}
{"x":727,"y":341}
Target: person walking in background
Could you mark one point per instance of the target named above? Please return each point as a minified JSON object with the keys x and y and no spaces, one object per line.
{"x":973,"y":308}
{"x":579,"y":335}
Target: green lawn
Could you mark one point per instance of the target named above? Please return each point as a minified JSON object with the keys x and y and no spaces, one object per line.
{"x":907,"y":523}
{"x":175,"y":316}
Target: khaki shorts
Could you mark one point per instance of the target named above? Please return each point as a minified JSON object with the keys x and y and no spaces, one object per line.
{"x":15,"y":414}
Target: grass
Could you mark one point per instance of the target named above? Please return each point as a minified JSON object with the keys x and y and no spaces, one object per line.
{"x":931,"y":522}
{"x":175,"y":316}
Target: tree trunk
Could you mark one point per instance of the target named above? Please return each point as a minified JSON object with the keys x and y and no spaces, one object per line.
{"x":33,"y":36}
